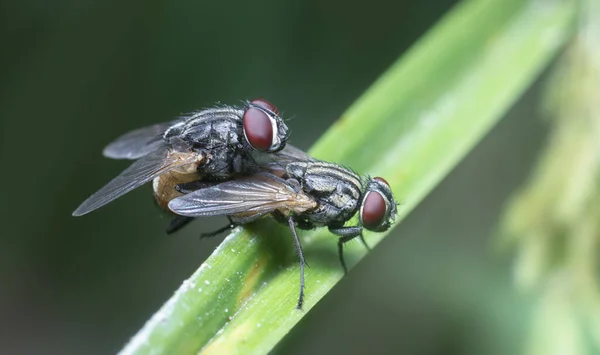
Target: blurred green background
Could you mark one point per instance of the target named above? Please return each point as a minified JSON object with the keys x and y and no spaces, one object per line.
{"x":76,"y":74}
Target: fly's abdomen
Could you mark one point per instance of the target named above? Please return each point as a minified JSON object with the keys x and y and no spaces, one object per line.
{"x":164,"y":186}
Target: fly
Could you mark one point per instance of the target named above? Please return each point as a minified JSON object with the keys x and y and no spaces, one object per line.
{"x":306,"y":194}
{"x":213,"y":144}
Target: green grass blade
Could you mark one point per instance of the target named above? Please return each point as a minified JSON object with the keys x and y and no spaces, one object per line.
{"x":411,"y":127}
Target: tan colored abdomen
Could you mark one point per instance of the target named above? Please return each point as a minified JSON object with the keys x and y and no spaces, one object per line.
{"x":164,"y":186}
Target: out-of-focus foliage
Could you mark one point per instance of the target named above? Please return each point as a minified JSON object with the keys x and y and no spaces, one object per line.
{"x":554,"y":222}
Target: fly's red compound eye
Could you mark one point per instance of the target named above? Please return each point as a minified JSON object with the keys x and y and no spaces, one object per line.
{"x":374,"y":209}
{"x":258,"y":129}
{"x":265,"y":104}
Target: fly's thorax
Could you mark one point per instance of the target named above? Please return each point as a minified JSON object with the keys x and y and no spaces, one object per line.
{"x":214,"y":134}
{"x":323,"y":178}
{"x":296,"y":170}
{"x":206,"y":118}
{"x":206,"y":128}
{"x":336,"y":189}
{"x":228,"y":161}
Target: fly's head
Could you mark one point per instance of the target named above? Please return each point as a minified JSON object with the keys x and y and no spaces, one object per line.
{"x":378,"y":208}
{"x":264,"y":129}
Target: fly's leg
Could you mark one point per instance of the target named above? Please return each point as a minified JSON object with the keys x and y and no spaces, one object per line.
{"x":178,"y":222}
{"x":346,"y":234}
{"x":187,"y":187}
{"x":364,"y":242}
{"x":302,"y":261}
{"x":226,"y":228}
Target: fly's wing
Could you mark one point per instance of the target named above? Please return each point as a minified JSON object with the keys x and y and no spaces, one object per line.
{"x":252,"y":195}
{"x":140,"y":172}
{"x":291,"y":154}
{"x":276,"y":162}
{"x":137,"y":143}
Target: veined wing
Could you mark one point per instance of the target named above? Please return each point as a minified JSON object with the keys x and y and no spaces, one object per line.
{"x":291,"y":153}
{"x":140,"y":172}
{"x":137,"y":143}
{"x":255,"y":194}
{"x":276,"y":162}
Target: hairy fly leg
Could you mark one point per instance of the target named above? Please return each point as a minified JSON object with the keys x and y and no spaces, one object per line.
{"x":224,"y":229}
{"x":187,"y":187}
{"x":364,"y":242}
{"x":346,"y":234}
{"x":300,"y":257}
{"x":177,"y":222}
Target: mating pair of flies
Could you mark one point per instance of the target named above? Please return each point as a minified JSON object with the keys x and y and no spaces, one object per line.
{"x":235,"y":162}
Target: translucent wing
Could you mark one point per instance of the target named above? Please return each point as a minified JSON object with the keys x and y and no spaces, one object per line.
{"x":256,"y":194}
{"x":290,"y":154}
{"x":276,"y":162}
{"x":137,"y":143}
{"x":140,"y":172}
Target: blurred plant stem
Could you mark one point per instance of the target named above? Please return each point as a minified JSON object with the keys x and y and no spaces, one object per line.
{"x":555,"y":220}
